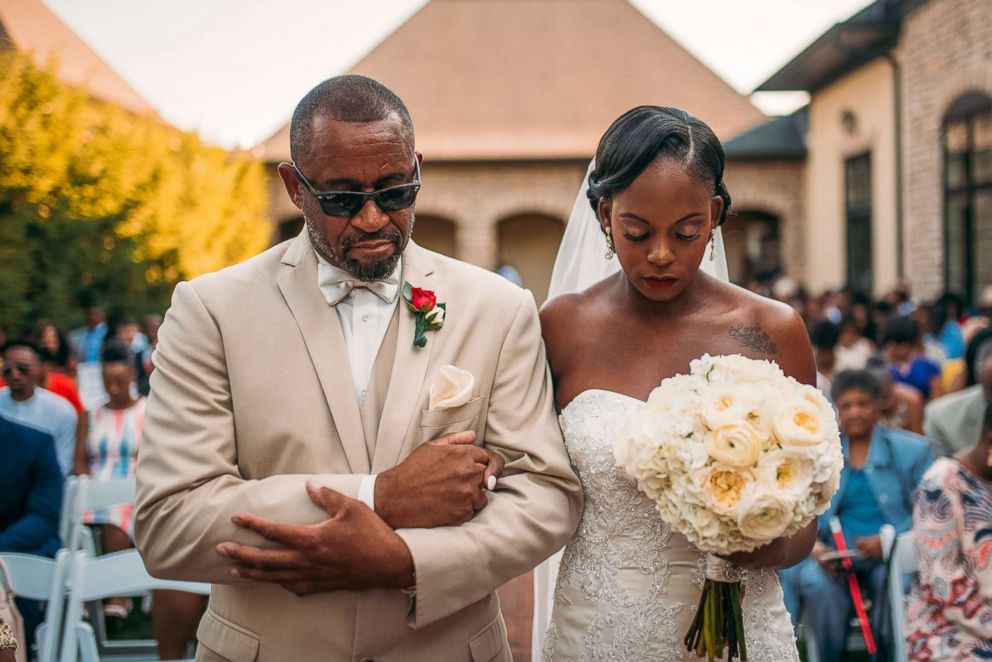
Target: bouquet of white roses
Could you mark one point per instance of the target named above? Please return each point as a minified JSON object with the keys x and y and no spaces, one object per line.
{"x":734,"y":454}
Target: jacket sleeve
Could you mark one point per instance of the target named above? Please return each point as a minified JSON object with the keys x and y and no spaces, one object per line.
{"x":936,"y":435}
{"x":189,"y":484}
{"x":39,"y":524}
{"x":536,"y":507}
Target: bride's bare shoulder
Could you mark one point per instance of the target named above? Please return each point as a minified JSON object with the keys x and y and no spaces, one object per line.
{"x":561,"y":315}
{"x":765,"y":328}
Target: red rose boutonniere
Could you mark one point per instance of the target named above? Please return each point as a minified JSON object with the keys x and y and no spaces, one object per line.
{"x":427,"y":311}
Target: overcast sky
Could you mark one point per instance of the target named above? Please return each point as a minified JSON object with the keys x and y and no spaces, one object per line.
{"x":234,"y":69}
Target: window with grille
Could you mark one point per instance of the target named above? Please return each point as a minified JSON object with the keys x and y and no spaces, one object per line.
{"x":967,"y":147}
{"x":857,"y":211}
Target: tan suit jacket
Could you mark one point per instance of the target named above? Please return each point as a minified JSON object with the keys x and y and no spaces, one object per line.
{"x":252,"y":395}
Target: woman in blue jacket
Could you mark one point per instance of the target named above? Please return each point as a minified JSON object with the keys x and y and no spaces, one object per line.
{"x":882,"y":467}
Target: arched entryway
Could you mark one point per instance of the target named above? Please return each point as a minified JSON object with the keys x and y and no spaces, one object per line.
{"x":528,"y":244}
{"x":435,"y":233}
{"x":753,"y":243}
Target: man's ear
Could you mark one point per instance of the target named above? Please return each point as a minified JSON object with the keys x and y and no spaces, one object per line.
{"x":291,"y":182}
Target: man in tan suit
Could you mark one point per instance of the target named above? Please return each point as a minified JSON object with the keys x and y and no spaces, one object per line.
{"x":953,"y":422}
{"x":284,"y":456}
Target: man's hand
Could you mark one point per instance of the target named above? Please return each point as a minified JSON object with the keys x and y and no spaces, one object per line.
{"x":441,"y":483}
{"x":870,"y":547}
{"x":829,"y":567}
{"x":351,"y":551}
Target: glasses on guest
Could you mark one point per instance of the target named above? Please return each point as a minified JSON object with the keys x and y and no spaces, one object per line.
{"x":9,"y":368}
{"x":348,"y":203}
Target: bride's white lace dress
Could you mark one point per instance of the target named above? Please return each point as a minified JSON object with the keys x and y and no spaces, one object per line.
{"x":628,"y":585}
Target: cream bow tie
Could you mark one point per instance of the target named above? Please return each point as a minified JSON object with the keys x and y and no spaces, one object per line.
{"x":335,"y":287}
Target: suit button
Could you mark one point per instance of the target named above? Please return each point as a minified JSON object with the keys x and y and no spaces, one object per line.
{"x":882,"y":498}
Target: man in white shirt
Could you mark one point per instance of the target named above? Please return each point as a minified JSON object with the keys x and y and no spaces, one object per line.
{"x":23,"y":401}
{"x":323,"y":420}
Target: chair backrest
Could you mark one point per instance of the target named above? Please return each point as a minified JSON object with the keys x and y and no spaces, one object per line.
{"x":902,"y":561}
{"x":41,"y":578}
{"x":120,"y":573}
{"x":93,"y":495}
{"x":69,"y":490}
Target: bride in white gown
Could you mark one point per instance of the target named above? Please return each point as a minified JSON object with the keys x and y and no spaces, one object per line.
{"x":653,"y":202}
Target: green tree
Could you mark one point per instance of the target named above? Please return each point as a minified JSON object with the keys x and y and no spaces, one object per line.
{"x":97,"y":203}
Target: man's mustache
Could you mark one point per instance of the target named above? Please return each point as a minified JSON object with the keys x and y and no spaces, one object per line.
{"x":390,"y":235}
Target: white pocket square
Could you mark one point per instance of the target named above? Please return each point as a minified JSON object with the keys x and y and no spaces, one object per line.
{"x":453,"y":388}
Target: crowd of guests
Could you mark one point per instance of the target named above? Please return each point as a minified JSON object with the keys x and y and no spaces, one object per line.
{"x":911,"y":383}
{"x":53,"y":426}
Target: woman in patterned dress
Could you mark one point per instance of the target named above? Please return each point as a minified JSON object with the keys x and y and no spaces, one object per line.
{"x":950,"y":608}
{"x":111,"y":452}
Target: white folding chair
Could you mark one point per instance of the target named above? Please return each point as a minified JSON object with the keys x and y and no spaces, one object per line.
{"x":90,"y":579}
{"x":43,"y":579}
{"x":900,"y":552}
{"x":69,"y":490}
{"x":94,"y":495}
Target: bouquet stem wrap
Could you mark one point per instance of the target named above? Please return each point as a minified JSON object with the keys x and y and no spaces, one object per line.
{"x":718,"y":626}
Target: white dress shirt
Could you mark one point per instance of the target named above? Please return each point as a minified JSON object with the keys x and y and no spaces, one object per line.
{"x":365,"y":318}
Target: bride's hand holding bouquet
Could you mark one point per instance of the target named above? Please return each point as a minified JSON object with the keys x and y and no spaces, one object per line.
{"x":737,"y":456}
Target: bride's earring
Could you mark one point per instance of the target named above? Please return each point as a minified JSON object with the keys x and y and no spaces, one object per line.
{"x":712,"y":245}
{"x":610,"y":251}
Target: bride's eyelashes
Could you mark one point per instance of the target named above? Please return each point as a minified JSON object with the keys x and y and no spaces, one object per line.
{"x":678,"y":235}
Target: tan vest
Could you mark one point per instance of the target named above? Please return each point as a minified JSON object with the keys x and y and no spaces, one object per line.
{"x":375,"y":394}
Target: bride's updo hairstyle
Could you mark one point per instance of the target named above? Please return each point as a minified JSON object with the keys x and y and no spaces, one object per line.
{"x":645,"y":134}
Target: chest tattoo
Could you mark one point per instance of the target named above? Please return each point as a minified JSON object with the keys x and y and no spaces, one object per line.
{"x":754,"y":337}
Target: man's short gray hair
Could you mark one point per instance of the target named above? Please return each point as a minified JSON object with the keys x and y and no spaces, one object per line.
{"x":348,"y":98}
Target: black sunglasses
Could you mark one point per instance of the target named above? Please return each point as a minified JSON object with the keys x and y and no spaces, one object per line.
{"x":348,"y":203}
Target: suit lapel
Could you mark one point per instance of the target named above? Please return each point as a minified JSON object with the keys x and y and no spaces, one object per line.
{"x":406,"y":382}
{"x":324,"y":340}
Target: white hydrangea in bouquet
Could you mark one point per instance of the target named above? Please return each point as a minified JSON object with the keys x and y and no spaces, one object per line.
{"x":734,"y":454}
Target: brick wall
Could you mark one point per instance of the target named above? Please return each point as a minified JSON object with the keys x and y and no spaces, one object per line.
{"x":945,"y":50}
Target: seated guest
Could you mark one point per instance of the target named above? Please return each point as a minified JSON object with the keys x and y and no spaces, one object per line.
{"x":29,"y":501}
{"x":823,"y":336}
{"x":110,"y":451}
{"x":853,"y":349}
{"x":25,"y":402}
{"x":950,"y":608}
{"x":901,"y":345}
{"x":882,"y":467}
{"x":901,"y":405}
{"x":954,"y":421}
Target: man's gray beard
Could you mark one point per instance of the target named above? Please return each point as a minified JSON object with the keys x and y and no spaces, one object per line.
{"x":368,"y":273}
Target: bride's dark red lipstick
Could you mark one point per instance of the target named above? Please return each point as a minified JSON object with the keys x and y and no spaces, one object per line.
{"x":660,"y":283}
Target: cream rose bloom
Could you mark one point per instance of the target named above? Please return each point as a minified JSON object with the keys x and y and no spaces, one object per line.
{"x":721,"y":486}
{"x":762,"y":514}
{"x":799,"y":423}
{"x":735,"y":444}
{"x":786,"y":472}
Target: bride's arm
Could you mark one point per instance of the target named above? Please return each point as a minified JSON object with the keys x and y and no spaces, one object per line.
{"x":794,"y":354}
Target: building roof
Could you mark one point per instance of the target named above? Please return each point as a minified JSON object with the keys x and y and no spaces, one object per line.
{"x":778,"y":138}
{"x":28,"y":25}
{"x":536,"y":79}
{"x":844,"y":47}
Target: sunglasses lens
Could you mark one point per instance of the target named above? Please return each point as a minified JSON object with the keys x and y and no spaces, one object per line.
{"x":341,"y":204}
{"x":397,"y":198}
